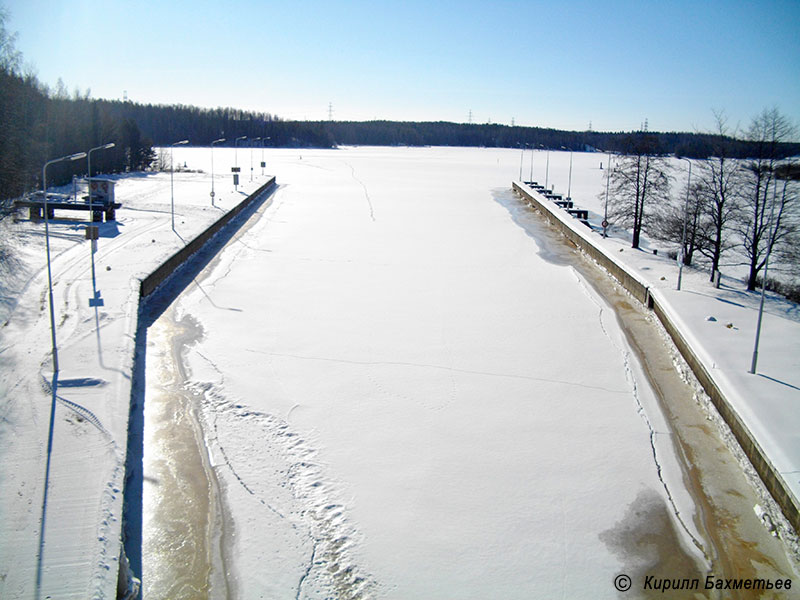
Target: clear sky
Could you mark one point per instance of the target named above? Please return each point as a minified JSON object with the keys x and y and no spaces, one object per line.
{"x":552,"y":64}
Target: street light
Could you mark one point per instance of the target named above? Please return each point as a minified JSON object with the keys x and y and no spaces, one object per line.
{"x":771,"y":239}
{"x":685,"y":217}
{"x":236,"y":150}
{"x":605,"y":210}
{"x":547,"y":170}
{"x":569,"y":185}
{"x":77,"y":156}
{"x":262,"y":153}
{"x":89,"y":167}
{"x":264,"y":139}
{"x":255,"y":139}
{"x":235,"y":168}
{"x":532,"y":153}
{"x":212,"y":167}
{"x":171,"y":185}
{"x":89,"y":154}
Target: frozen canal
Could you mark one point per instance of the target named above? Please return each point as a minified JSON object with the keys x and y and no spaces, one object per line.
{"x":402,"y":396}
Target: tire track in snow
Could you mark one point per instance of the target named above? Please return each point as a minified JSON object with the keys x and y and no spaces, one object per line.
{"x":109,"y":491}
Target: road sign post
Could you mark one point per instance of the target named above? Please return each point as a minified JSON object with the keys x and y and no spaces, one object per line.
{"x":93,"y":233}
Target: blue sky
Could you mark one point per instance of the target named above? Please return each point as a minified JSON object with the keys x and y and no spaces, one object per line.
{"x":551,"y":64}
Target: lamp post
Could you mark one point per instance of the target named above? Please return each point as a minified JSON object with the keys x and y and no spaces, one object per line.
{"x":251,"y":155}
{"x":532,"y":152}
{"x":263,"y":164}
{"x":235,"y":168}
{"x":754,"y":362}
{"x":89,"y":155}
{"x":89,"y":167}
{"x":547,"y":168}
{"x":77,"y":156}
{"x":220,"y":140}
{"x":569,"y":185}
{"x":605,"y":210}
{"x":236,"y":150}
{"x":685,"y":217}
{"x":171,"y":184}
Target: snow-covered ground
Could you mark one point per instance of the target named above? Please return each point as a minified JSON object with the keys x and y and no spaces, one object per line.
{"x":400,"y":394}
{"x":75,"y":436}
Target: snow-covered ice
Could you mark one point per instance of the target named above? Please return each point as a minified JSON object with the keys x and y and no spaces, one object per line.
{"x":725,"y":343}
{"x":401,"y":393}
{"x":403,"y":398}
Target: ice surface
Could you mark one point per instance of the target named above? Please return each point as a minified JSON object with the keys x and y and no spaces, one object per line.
{"x":400,"y":396}
{"x":386,"y":342}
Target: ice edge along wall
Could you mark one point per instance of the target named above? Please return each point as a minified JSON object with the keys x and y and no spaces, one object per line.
{"x":769,"y":475}
{"x":147,"y":287}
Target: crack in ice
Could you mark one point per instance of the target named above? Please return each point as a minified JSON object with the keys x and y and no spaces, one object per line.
{"x":366,"y":192}
{"x":307,"y":571}
{"x":626,"y":357}
{"x":440,"y":367}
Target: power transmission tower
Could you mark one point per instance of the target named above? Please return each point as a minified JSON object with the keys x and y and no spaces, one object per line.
{"x":470,"y":117}
{"x":330,"y":111}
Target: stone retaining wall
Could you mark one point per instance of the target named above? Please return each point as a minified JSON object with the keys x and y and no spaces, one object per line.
{"x":152,"y":281}
{"x":571,"y":229}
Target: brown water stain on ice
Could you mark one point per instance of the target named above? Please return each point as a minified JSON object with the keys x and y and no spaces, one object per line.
{"x":179,"y":549}
{"x":649,"y":544}
{"x":733,"y":539}
{"x":187,"y":539}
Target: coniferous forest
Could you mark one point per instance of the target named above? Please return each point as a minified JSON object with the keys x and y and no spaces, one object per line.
{"x":39,"y":124}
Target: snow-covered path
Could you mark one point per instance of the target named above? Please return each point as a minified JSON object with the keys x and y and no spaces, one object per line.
{"x":401,"y":396}
{"x":63,"y":453}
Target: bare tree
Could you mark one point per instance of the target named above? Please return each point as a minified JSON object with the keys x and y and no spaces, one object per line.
{"x":783,"y":237}
{"x":670,"y":219}
{"x":10,"y":57}
{"x":163,"y":161}
{"x":719,"y":178}
{"x":765,"y":222}
{"x":640,"y":178}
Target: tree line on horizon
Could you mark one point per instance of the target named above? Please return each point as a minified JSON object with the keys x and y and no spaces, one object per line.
{"x":727,"y":205}
{"x":40,"y":123}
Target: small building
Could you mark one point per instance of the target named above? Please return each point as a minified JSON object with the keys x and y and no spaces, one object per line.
{"x":101,"y":191}
{"x":99,"y":202}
